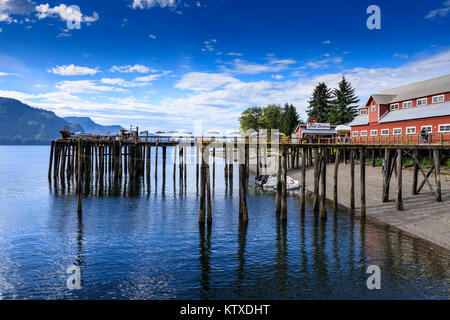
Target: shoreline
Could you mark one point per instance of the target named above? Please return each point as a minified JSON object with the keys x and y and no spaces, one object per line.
{"x":423,"y":218}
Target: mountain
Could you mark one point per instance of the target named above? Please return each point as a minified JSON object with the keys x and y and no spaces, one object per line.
{"x":90,"y":126}
{"x":22,"y":124}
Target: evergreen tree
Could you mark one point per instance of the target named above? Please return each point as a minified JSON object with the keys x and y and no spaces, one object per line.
{"x":271,"y":116}
{"x":289,"y":119}
{"x":343,"y":108}
{"x":319,"y":104}
{"x":251,"y":118}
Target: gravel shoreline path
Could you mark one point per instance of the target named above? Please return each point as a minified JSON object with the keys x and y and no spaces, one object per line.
{"x":423,"y":216}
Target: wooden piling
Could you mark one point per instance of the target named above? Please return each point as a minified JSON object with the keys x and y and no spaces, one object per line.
{"x":362,"y":165}
{"x":278,"y":188}
{"x":352,"y":179}
{"x":335,"y":178}
{"x":208,"y":187}
{"x":399,"y":200}
{"x":316,"y":179}
{"x":284,"y":183}
{"x":416,"y":171}
{"x":323,"y":179}
{"x":303,"y":186}
{"x":201,"y":210}
{"x":50,"y":162}
{"x":437,"y":174}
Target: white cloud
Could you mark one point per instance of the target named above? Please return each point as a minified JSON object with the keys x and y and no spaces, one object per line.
{"x":72,"y":70}
{"x":400,"y":55}
{"x":440,"y":12}
{"x":235,"y":54}
{"x":65,"y":13}
{"x":201,"y":81}
{"x":3,"y":74}
{"x":129,"y":69}
{"x":147,"y":4}
{"x":81,"y":86}
{"x":326,"y":42}
{"x":323,"y":63}
{"x":240,"y":66}
{"x":277,"y":76}
{"x":152,"y":36}
{"x":122,"y":83}
{"x":151,"y":77}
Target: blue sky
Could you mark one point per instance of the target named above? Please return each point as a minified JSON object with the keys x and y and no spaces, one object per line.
{"x":164,"y":64}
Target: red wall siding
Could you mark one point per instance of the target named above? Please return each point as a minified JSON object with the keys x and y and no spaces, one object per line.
{"x":418,"y":123}
{"x":429,"y":100}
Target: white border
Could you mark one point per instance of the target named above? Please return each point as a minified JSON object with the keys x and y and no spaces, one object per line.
{"x":439,"y":127}
{"x":394,"y":104}
{"x":373,"y":135}
{"x":415,"y":130}
{"x":424,"y":104}
{"x":439,"y":95}
{"x":403,"y":104}
{"x":393,"y":131}
{"x":362,"y":133}
{"x":427,"y":126}
{"x":384,"y":134}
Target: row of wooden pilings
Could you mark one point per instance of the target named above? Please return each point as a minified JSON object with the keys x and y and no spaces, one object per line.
{"x":87,"y":159}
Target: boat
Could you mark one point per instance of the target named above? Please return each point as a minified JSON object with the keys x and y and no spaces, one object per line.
{"x":269,"y":183}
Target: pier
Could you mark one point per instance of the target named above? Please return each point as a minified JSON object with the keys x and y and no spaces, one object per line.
{"x":88,"y":159}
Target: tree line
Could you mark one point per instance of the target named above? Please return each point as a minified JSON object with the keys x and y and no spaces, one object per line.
{"x":336,"y":106}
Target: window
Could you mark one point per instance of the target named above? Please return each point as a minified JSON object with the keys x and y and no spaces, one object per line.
{"x":355,"y":133}
{"x":394,"y":106}
{"x":397,"y":131}
{"x":427,"y":128}
{"x":364,"y":133}
{"x":437,"y":99}
{"x":373,"y":108}
{"x":407,"y":104}
{"x":384,"y":132}
{"x":373,"y":133}
{"x":363,"y":112}
{"x":421,"y":102}
{"x":410,"y":130}
{"x":444,"y":128}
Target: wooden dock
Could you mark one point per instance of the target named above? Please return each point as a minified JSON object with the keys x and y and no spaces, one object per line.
{"x":94,"y":159}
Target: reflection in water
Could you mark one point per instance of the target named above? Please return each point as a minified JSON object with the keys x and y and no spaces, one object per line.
{"x":138,"y":238}
{"x":205,"y":253}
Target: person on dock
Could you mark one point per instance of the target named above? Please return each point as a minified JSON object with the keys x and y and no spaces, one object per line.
{"x":423,"y":136}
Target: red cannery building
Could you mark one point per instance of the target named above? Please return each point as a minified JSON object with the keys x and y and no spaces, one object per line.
{"x":400,"y":114}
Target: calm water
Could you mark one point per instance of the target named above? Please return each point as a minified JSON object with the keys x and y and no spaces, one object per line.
{"x":144,"y":242}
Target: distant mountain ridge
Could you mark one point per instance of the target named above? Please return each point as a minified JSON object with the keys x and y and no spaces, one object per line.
{"x":21,"y":124}
{"x":90,"y":126}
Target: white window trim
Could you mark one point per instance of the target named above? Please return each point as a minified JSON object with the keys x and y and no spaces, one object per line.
{"x":373,"y":108}
{"x":403,"y":104}
{"x":391,"y":107}
{"x":439,"y":127}
{"x":354,"y":133}
{"x":423,"y":104}
{"x":393,"y":131}
{"x":384,"y":134}
{"x":364,"y":135}
{"x":374,"y":135}
{"x":363,"y":112}
{"x":438,"y":96}
{"x":411,"y":128}
{"x":427,"y":126}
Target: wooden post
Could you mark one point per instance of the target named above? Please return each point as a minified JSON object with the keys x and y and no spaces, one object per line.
{"x":386,"y":175}
{"x":416,"y":171}
{"x":208,"y":187}
{"x":316,"y":179}
{"x":148,"y":161}
{"x":323,"y":169}
{"x":278,"y":188}
{"x":284,"y":183}
{"x":214,"y":167}
{"x":437,"y":174}
{"x":399,"y":200}
{"x":362,"y":165}
{"x":52,"y":149}
{"x":164,"y":151}
{"x":335,"y":177}
{"x":79,"y":178}
{"x":201,"y":210}
{"x":303,"y":186}
{"x":352,"y":179}
{"x":156,"y":160}
{"x":243,"y":210}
